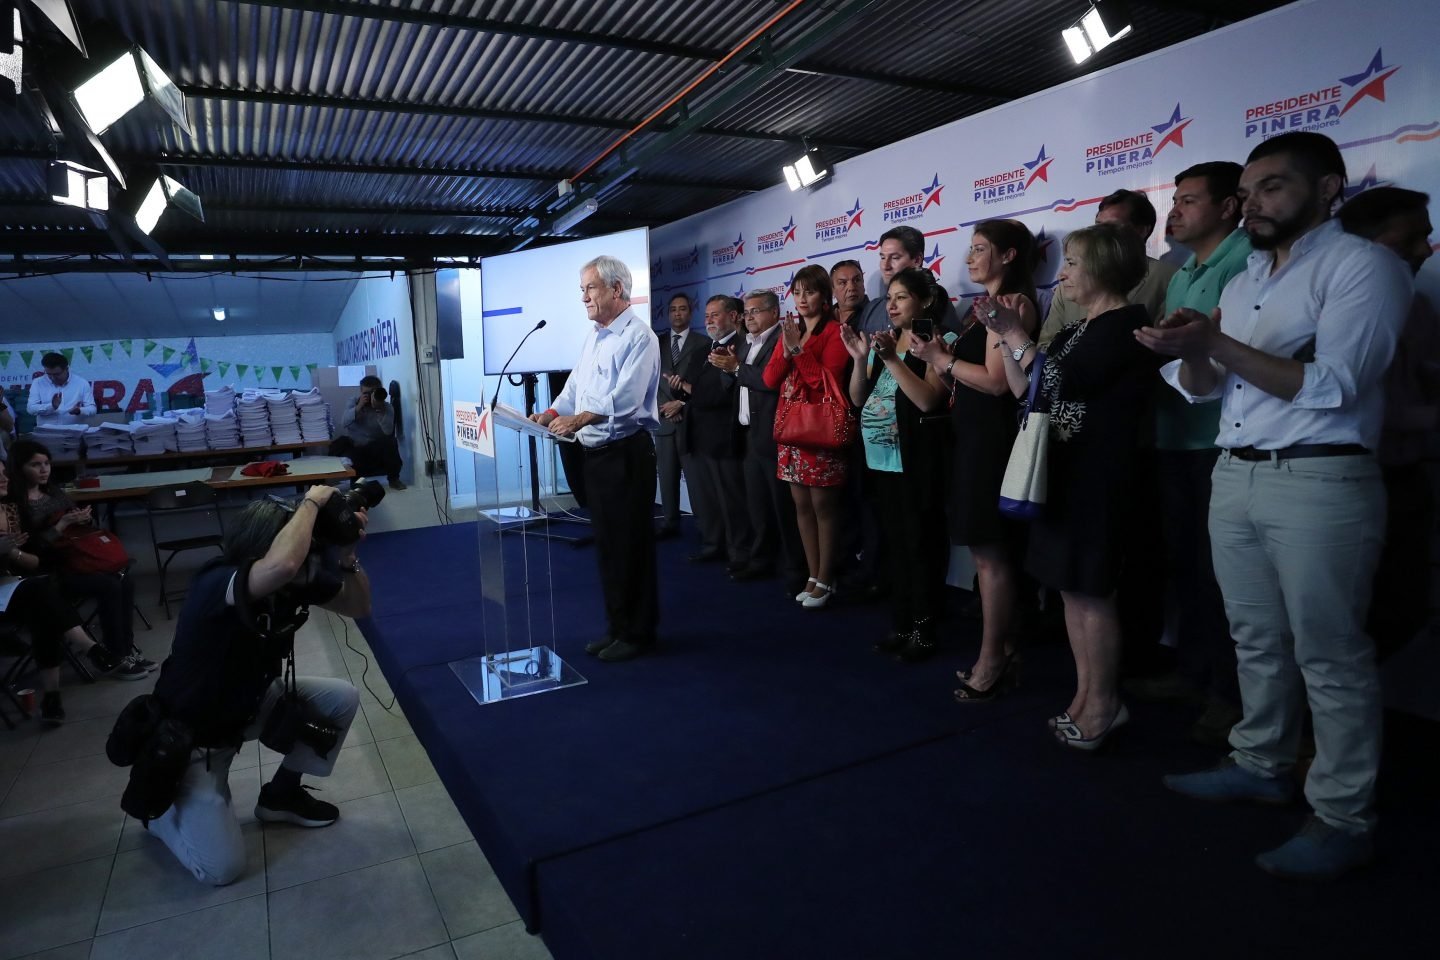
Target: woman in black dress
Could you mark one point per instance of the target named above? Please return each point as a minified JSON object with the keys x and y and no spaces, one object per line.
{"x":983,"y":418}
{"x":1095,"y":384}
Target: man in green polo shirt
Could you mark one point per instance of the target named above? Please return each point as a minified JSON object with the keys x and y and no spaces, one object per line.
{"x":1205,"y":218}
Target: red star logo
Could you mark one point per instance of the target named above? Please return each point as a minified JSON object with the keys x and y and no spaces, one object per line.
{"x":1371,"y":83}
{"x":854,"y":215}
{"x":484,"y":422}
{"x":1039,"y":168}
{"x":932,"y":192}
{"x":1174,"y":130}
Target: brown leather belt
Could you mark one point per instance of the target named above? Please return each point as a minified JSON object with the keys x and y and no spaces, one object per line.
{"x":1299,"y":451}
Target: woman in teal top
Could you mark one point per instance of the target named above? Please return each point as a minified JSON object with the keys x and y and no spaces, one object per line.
{"x":905,"y":451}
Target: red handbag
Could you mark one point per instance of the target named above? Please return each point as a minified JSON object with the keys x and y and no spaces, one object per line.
{"x":814,"y":419}
{"x":92,"y":550}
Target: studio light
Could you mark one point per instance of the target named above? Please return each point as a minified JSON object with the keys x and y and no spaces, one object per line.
{"x":129,"y":80}
{"x":163,"y":193}
{"x":810,"y":168}
{"x":77,"y":186}
{"x":1105,"y":22}
{"x":58,"y":12}
{"x":575,"y":215}
{"x":218,"y":313}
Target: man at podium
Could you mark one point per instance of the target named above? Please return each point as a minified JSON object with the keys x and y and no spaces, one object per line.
{"x":608,"y":405}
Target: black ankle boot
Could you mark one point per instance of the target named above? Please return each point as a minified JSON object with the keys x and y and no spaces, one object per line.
{"x":921,"y":643}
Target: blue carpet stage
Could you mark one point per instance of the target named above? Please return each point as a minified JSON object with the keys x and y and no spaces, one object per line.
{"x":765,"y":785}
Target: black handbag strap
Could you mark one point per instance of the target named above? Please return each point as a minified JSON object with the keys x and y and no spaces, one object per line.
{"x":1036,"y":369}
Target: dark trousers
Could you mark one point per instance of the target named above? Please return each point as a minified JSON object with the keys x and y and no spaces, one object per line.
{"x":776,"y":538}
{"x":1400,"y":603}
{"x":619,"y":484}
{"x":38,"y":606}
{"x":1140,"y":592}
{"x":725,"y":520}
{"x":1205,"y":654}
{"x":917,"y":550}
{"x":372,"y":459}
{"x":863,"y":561}
{"x":114,"y":597}
{"x":667,"y":464}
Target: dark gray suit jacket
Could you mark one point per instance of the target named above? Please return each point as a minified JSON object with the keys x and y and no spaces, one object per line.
{"x":760,"y":437}
{"x":692,"y":354}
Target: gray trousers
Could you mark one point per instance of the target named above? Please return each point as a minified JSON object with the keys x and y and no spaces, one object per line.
{"x":200,"y":828}
{"x":721,"y":513}
{"x":1295,"y":544}
{"x":667,"y":466}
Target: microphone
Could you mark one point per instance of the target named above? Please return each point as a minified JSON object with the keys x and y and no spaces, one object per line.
{"x":496,"y":396}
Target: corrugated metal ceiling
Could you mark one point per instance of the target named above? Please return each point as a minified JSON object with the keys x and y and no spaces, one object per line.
{"x":430,"y":127}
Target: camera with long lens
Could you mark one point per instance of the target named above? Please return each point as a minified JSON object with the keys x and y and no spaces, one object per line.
{"x":337,"y":525}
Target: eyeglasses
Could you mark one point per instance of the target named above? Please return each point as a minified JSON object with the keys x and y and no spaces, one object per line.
{"x":758,"y":311}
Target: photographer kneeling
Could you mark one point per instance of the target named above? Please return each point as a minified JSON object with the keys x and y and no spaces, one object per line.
{"x":232,"y":662}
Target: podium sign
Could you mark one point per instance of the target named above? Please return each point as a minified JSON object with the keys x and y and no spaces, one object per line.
{"x":516,"y":584}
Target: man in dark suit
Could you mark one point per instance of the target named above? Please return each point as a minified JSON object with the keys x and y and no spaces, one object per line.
{"x":682,"y":350}
{"x":712,"y":436}
{"x":767,"y":498}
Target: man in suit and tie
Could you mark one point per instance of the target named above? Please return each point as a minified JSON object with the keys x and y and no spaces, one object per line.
{"x":713,"y":437}
{"x":682,"y":350}
{"x":767,"y":498}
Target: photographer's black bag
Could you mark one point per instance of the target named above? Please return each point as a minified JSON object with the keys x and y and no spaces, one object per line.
{"x":157,"y":749}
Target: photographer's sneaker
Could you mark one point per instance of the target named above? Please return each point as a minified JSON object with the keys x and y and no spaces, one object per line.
{"x":129,"y":668}
{"x":296,"y":806}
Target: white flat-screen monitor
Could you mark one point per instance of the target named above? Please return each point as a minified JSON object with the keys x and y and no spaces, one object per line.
{"x":518,"y":290}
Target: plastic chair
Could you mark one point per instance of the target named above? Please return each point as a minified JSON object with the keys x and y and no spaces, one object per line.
{"x":183,"y":498}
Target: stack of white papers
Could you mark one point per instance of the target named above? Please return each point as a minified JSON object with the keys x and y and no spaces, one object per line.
{"x":219,"y":402}
{"x":314,"y":415}
{"x":63,"y":439}
{"x":189,"y":430}
{"x":254,"y":419}
{"x":154,"y":436}
{"x":284,"y":418}
{"x":222,"y":431}
{"x":108,"y":440}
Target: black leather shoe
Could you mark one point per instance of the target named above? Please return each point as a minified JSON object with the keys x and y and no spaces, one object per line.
{"x":735,"y":567}
{"x":892,"y":641}
{"x":594,"y":647}
{"x":920,"y":644}
{"x":666,"y":533}
{"x":706,"y":556}
{"x":621,"y":650}
{"x":749,"y":572}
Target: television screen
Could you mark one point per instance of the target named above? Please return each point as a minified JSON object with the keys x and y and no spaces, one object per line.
{"x":518,"y":290}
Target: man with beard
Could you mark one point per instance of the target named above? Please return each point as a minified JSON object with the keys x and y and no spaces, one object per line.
{"x":1297,"y":509}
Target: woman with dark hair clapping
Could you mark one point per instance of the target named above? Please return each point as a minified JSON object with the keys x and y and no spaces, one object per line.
{"x":1095,"y":385}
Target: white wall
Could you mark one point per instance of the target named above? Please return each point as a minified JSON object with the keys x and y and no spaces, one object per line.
{"x":377,"y":327}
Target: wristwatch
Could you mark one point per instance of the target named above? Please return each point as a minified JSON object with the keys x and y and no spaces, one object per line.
{"x":795,"y":351}
{"x":1019,"y":351}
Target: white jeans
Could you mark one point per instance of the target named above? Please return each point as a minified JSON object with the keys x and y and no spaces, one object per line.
{"x":200,"y":828}
{"x":1295,"y":544}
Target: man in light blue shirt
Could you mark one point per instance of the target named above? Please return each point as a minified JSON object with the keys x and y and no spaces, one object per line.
{"x":1296,"y":354}
{"x":609,"y":406}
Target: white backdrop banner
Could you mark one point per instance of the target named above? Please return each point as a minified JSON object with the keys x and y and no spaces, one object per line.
{"x":1363,"y":74}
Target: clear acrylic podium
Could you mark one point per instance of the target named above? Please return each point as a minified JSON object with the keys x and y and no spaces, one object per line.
{"x":515,"y":493}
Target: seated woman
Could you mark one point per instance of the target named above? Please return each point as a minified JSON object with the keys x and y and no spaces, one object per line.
{"x":810,"y":346}
{"x":905,"y":453}
{"x":983,"y":420}
{"x":37,"y":605}
{"x":45,"y":513}
{"x":1095,"y":384}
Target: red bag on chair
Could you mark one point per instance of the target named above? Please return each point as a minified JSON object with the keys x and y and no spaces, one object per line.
{"x":92,"y":550}
{"x":814,"y":419}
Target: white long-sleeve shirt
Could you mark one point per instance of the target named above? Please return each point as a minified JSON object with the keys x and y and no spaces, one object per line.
{"x":76,"y":390}
{"x":617,"y":377}
{"x":1338,"y":305}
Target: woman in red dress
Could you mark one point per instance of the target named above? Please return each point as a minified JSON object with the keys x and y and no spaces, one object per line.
{"x":811,"y":345}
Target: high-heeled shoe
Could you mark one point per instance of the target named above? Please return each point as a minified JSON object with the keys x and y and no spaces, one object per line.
{"x":800,"y":597}
{"x":813,"y":602}
{"x":1071,"y":735}
{"x":922,"y":643}
{"x":1006,"y":680}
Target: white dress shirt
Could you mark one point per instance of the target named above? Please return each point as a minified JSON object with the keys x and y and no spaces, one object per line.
{"x":76,"y":390}
{"x":1338,"y":304}
{"x":757,"y":343}
{"x":617,"y":376}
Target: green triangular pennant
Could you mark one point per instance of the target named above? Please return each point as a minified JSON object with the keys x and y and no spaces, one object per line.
{"x":312,"y":367}
{"x":276,"y":371}
{"x":204,"y":365}
{"x":224,"y":367}
{"x":125,"y":345}
{"x":165,"y":354}
{"x":108,"y":349}
{"x":4,"y":358}
{"x":26,"y":355}
{"x":240,"y":369}
{"x":295,"y":373}
{"x":88,"y":353}
{"x":149,"y":345}
{"x":68,"y":353}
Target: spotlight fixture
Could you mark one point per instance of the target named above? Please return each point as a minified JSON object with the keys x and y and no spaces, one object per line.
{"x":1105,"y":22}
{"x":129,"y":80}
{"x":60,"y":15}
{"x":77,"y":186}
{"x":575,"y":214}
{"x":166,"y":192}
{"x":218,"y":313}
{"x":810,"y":168}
